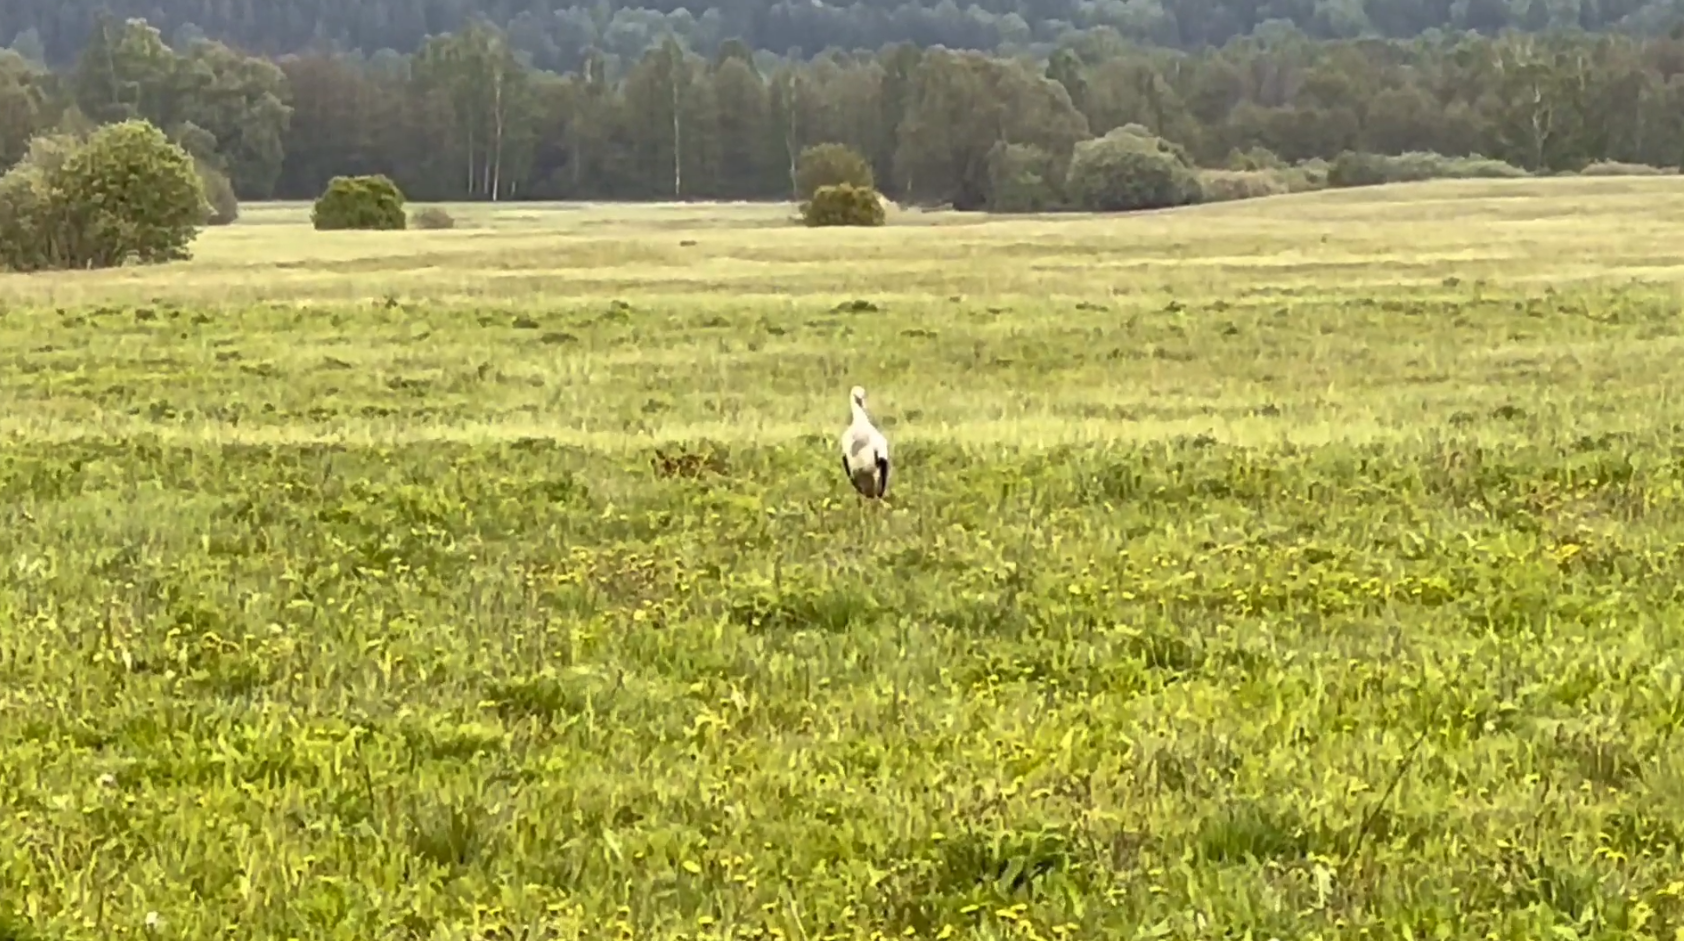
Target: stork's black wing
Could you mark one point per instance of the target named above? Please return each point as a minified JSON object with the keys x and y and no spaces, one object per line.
{"x":860,"y":480}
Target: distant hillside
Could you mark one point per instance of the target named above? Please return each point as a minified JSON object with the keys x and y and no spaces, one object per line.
{"x":555,"y":34}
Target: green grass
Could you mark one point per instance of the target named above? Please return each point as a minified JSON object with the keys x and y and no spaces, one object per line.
{"x":1303,"y":567}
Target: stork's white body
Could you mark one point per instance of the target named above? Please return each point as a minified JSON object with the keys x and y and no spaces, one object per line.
{"x":865,"y":452}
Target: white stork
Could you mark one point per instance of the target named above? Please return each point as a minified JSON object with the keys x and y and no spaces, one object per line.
{"x":865,"y":452}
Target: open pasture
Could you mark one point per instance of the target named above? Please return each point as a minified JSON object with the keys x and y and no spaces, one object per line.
{"x":1301,"y":568}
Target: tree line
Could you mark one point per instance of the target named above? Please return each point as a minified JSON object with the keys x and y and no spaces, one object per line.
{"x":466,"y":116}
{"x":557,"y":36}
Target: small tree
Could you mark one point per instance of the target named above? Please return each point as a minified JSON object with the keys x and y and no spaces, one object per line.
{"x":844,"y":204}
{"x":199,"y":143}
{"x":1130,"y":169}
{"x":126,"y":192}
{"x":1022,"y":178}
{"x":223,"y":206}
{"x":831,"y":165}
{"x":130,"y":192}
{"x":360,"y":202}
{"x":30,"y":237}
{"x":34,"y":233}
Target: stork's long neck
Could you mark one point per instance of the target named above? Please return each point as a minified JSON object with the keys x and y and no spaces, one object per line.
{"x":860,"y":418}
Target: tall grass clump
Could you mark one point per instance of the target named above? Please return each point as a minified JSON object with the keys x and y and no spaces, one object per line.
{"x":432,"y":217}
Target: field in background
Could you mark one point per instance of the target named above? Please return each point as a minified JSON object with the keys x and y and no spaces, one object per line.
{"x":1552,"y":230}
{"x":1300,"y":567}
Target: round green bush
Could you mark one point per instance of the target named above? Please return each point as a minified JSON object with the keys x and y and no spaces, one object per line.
{"x":831,"y":165}
{"x":844,"y":204}
{"x":360,"y":202}
{"x":124,"y":193}
{"x":133,"y":193}
{"x":1127,"y":170}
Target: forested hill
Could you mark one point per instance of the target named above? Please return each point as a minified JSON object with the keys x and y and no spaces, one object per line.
{"x":554,"y":33}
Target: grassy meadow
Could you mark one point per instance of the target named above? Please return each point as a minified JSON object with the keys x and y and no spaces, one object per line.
{"x":1303,"y":567}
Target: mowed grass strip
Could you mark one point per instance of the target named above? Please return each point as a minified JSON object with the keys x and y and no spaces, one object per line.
{"x":1233,"y":579}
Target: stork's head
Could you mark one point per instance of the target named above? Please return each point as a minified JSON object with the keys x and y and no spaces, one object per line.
{"x":857,"y":394}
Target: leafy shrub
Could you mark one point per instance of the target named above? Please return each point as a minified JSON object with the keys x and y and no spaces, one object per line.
{"x":1138,"y":135}
{"x":48,"y":152}
{"x":76,"y":123}
{"x":1351,"y":168}
{"x":1256,"y":158}
{"x":1616,"y":168}
{"x":1131,"y":169}
{"x":1022,"y":178}
{"x":1224,"y":185}
{"x":123,"y":192}
{"x":1361,"y":169}
{"x":831,"y":165}
{"x":223,"y":205}
{"x":131,"y":192}
{"x":360,"y":202}
{"x":844,"y":204}
{"x":432,"y":217}
{"x":1483,"y":168}
{"x":33,"y":233}
{"x":1309,"y":175}
{"x":199,"y":143}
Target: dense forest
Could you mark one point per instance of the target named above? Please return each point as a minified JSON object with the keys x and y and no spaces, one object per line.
{"x":557,"y":35}
{"x":658,"y":106}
